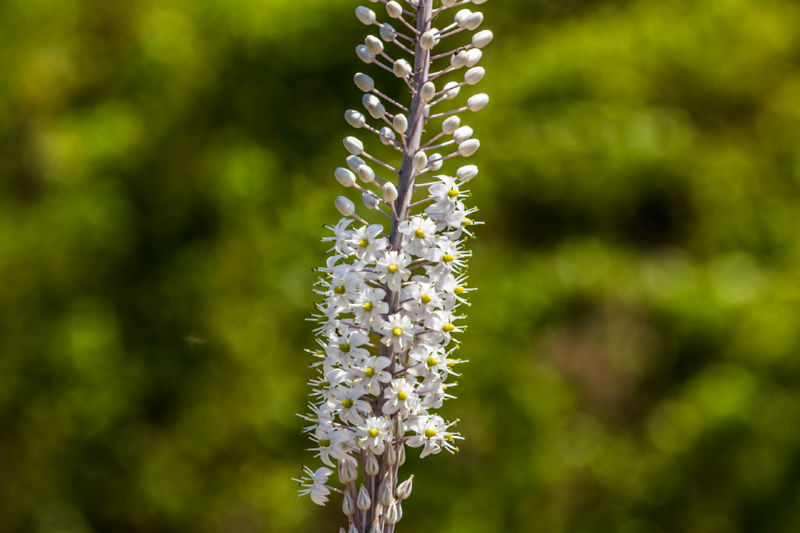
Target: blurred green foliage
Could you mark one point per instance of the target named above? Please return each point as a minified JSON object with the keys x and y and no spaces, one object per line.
{"x":165,"y":170}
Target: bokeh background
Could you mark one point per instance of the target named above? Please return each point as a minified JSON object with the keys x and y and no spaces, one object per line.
{"x":165,"y":170}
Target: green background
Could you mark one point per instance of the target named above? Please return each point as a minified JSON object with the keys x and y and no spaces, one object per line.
{"x":165,"y":170}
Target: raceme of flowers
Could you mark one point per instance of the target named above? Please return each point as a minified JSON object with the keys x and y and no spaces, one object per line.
{"x":387,"y":328}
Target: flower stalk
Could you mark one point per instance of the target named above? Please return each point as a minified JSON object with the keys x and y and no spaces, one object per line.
{"x":387,"y":328}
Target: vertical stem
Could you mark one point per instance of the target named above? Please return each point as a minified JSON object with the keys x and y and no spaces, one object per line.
{"x":405,"y":191}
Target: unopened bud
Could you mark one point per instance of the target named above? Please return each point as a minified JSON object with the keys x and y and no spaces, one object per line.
{"x":385,"y":492}
{"x":366,"y":173}
{"x":448,"y":3}
{"x":388,"y":33}
{"x":473,"y":20}
{"x":401,"y":455}
{"x":401,"y":68}
{"x":459,"y":59}
{"x":450,"y":124}
{"x":400,"y":123}
{"x":477,"y":102}
{"x":467,"y":148}
{"x":435,"y":162}
{"x":348,"y":505}
{"x":462,"y":134}
{"x":393,"y":513}
{"x":374,"y":44}
{"x":428,"y":40}
{"x":420,"y":161}
{"x":365,"y":15}
{"x":387,"y":135}
{"x":364,"y":53}
{"x":482,"y":38}
{"x":364,"y":82}
{"x":376,"y":526}
{"x":389,"y":192}
{"x":345,"y":177}
{"x":370,"y":200}
{"x":451,"y":90}
{"x":474,"y":75}
{"x":404,"y":488}
{"x":427,"y":91}
{"x":371,"y":466}
{"x":363,"y":501}
{"x":461,"y":16}
{"x":345,"y":206}
{"x":390,"y":455}
{"x":353,"y":161}
{"x":355,"y":118}
{"x":466,"y":173}
{"x":394,"y":9}
{"x":353,"y":145}
{"x":473,"y":56}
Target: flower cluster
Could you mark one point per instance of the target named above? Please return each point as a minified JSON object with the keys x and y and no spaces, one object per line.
{"x":388,"y":325}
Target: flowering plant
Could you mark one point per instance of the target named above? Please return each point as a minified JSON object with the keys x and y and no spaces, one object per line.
{"x":388,"y":324}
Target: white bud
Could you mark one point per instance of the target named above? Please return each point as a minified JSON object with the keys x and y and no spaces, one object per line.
{"x":385,"y":493}
{"x":366,"y":173}
{"x":371,"y":466}
{"x":400,"y":123}
{"x":376,"y":526}
{"x":394,"y":9}
{"x":345,"y":177}
{"x":373,"y":105}
{"x":363,"y":502}
{"x":374,"y":44}
{"x":387,"y":135}
{"x":365,"y":15}
{"x":482,"y":38}
{"x":450,"y":124}
{"x":364,"y":53}
{"x":388,"y":33}
{"x":401,"y":455}
{"x":348,"y":505}
{"x":389,"y":192}
{"x":420,"y":161}
{"x":370,"y":201}
{"x":345,"y":206}
{"x":473,"y":56}
{"x":462,"y":134}
{"x":474,"y":75}
{"x":404,"y":489}
{"x":348,"y":468}
{"x":466,"y":173}
{"x":459,"y":59}
{"x":467,"y":148}
{"x":451,"y":90}
{"x":353,"y":161}
{"x":364,"y":82}
{"x":401,"y":68}
{"x":478,"y":1}
{"x":353,"y":145}
{"x":355,"y":118}
{"x":435,"y":162}
{"x":428,"y":40}
{"x":477,"y":101}
{"x":448,"y":3}
{"x":391,"y":455}
{"x":393,"y":513}
{"x":427,"y":91}
{"x":461,"y":16}
{"x":473,"y":21}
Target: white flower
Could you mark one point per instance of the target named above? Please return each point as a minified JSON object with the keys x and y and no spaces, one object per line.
{"x":431,"y":433}
{"x":398,"y":331}
{"x":392,"y":269}
{"x":347,"y":403}
{"x":373,"y":434}
{"x":367,"y":243}
{"x":314,"y":483}
{"x":420,"y":232}
{"x":370,"y":306}
{"x":370,"y":374}
{"x":401,"y":397}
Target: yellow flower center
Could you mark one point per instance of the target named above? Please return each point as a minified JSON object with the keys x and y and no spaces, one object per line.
{"x":458,"y":290}
{"x":430,"y":433}
{"x":402,"y":396}
{"x":347,"y":403}
{"x":419,"y":233}
{"x":363,"y":243}
{"x":392,"y":268}
{"x":397,"y":332}
{"x":367,"y":306}
{"x":447,"y":328}
{"x":340,"y":289}
{"x":344,"y":347}
{"x":466,"y":222}
{"x":369,"y":372}
{"x":324,"y":443}
{"x":448,"y":258}
{"x":432,"y":361}
{"x":452,"y":193}
{"x":373,"y":432}
{"x":425,"y":299}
